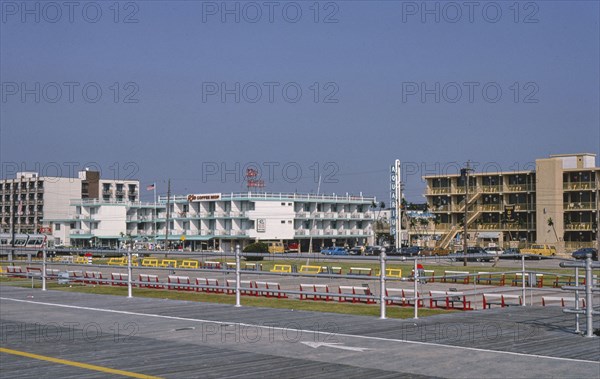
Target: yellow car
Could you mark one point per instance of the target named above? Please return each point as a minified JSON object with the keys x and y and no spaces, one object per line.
{"x":540,"y":250}
{"x":276,"y":247}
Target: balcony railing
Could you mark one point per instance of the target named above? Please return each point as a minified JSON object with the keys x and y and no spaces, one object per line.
{"x":575,"y":206}
{"x":573,"y":186}
{"x":519,"y":187}
{"x":491,"y":188}
{"x":438,"y":190}
{"x":578,"y":226}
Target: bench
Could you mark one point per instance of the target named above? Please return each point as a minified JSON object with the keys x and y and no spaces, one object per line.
{"x":561,"y":301}
{"x":268,"y":289}
{"x":490,"y":278}
{"x":75,"y":276}
{"x":189,"y":264}
{"x":360,"y":271}
{"x":230,"y":265}
{"x":282,"y":269}
{"x":567,"y":281}
{"x":34,"y":272}
{"x":172,"y":263}
{"x":246,"y":287}
{"x":449,"y":300}
{"x":335,"y":270}
{"x":93,"y":277}
{"x":66,"y":259}
{"x":455,"y":275}
{"x":119,"y":279}
{"x":518,"y":280}
{"x":502,"y":300}
{"x":150,"y":262}
{"x":150,"y":281}
{"x":428,"y":274}
{"x":211,"y":265}
{"x":212,"y":285}
{"x":15,"y":272}
{"x":402,"y":297}
{"x":305,"y":269}
{"x":315,"y":292}
{"x":82,"y":261}
{"x":178,"y":283}
{"x":350,"y":292}
{"x":52,"y":273}
{"x":117,"y":261}
{"x":392,"y":272}
{"x":249,"y":266}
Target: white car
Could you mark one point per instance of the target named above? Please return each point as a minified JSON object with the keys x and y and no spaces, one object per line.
{"x":496,"y":251}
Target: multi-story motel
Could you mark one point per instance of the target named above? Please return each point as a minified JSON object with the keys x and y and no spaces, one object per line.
{"x":557,"y":204}
{"x":222,"y":220}
{"x":42,"y":203}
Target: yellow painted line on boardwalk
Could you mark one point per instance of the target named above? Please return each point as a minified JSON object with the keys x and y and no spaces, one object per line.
{"x":76,"y":364}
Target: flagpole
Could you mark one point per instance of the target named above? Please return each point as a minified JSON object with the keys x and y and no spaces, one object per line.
{"x":155,"y":216}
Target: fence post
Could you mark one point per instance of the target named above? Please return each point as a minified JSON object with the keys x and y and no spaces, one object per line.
{"x":237,"y":276}
{"x":44,"y":254}
{"x":129,"y":291}
{"x":523,"y":295}
{"x":382,"y":285}
{"x":589,"y":308}
{"x":577,"y":329}
{"x":416,"y":278}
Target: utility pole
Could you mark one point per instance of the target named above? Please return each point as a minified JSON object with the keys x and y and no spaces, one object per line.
{"x":597,"y":216}
{"x":465,"y":173}
{"x":167,"y":215}
{"x":13,"y":211}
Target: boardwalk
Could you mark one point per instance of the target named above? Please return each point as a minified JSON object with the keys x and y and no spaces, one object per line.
{"x":178,"y":339}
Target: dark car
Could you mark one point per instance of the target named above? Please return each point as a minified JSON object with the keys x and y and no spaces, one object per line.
{"x":357,"y":250}
{"x":474,"y":254}
{"x":511,"y":253}
{"x":581,"y":253}
{"x":372,"y":250}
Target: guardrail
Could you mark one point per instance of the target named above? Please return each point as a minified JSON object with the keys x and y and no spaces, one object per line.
{"x":212,"y":272}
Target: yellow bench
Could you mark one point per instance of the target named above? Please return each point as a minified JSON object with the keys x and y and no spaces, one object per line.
{"x":117,"y":261}
{"x":81,"y":260}
{"x":168,"y":263}
{"x":150,"y":262}
{"x":360,"y":271}
{"x":304,"y":269}
{"x":189,"y":264}
{"x":282,"y":268}
{"x":391,"y":272}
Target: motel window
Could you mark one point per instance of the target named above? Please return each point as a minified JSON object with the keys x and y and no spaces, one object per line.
{"x":56,"y":226}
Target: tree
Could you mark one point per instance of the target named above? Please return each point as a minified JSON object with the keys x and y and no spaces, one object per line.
{"x":551,"y":223}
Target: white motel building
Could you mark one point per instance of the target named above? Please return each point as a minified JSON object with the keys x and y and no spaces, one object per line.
{"x":220,"y":221}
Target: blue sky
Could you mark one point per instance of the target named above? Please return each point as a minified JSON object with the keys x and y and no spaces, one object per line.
{"x":388,"y":76}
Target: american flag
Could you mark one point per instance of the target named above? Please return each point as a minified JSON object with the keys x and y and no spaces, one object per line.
{"x":150,"y":187}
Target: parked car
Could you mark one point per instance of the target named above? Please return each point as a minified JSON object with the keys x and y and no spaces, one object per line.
{"x":410,"y":251}
{"x":356,"y":250}
{"x":435,"y":252}
{"x":335,"y":251}
{"x":512,"y":253}
{"x":495,"y":251}
{"x":474,"y":254}
{"x":581,"y":253}
{"x":540,"y":251}
{"x":292,"y":247}
{"x":373,"y":250}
